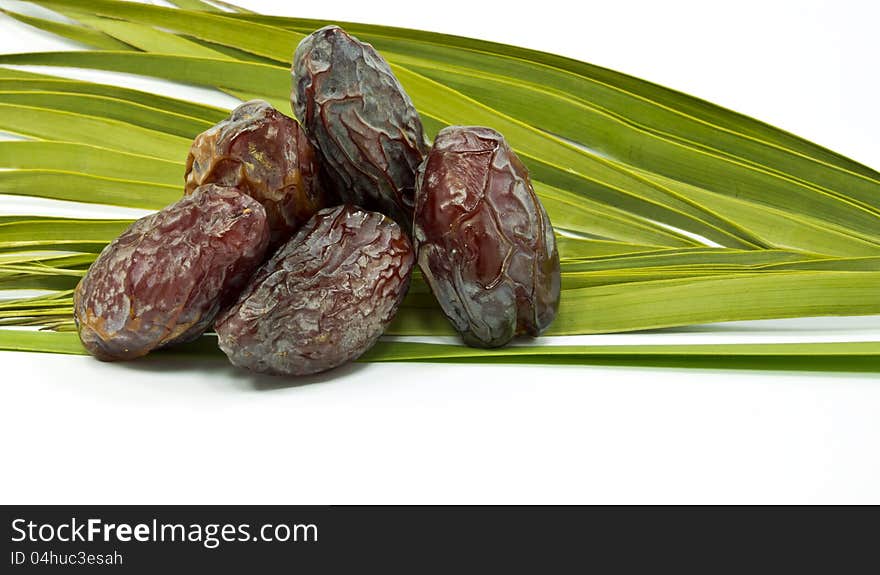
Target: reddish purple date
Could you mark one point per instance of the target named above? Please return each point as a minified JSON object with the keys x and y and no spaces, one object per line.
{"x":362,"y":121}
{"x":165,"y":278}
{"x":323,"y":299}
{"x":266,"y":155}
{"x":484,"y":242}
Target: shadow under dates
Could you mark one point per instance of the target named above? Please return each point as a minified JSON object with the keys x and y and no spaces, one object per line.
{"x":204,"y":357}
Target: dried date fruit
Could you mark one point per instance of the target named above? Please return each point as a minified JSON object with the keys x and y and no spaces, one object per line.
{"x":323,"y":299}
{"x":165,"y":278}
{"x":267,"y":156}
{"x":360,"y":119}
{"x":484,"y":242}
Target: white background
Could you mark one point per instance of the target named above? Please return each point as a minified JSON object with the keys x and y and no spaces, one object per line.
{"x":74,"y":430}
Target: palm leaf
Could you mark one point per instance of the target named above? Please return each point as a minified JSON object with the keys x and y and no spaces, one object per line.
{"x":724,"y":166}
{"x":80,"y":34}
{"x":44,"y":83}
{"x":146,"y":14}
{"x":637,"y":178}
{"x":843,"y":357}
{"x":646,"y":103}
{"x":110,"y":108}
{"x":89,"y":159}
{"x":46,"y":123}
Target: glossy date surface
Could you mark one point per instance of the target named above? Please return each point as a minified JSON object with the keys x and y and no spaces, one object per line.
{"x":323,"y":299}
{"x":163,"y":280}
{"x":266,"y":155}
{"x":484,"y":242}
{"x":361,"y":120}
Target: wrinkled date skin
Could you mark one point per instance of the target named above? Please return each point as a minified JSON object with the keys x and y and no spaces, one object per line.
{"x":361,"y":120}
{"x":266,"y":155}
{"x":165,"y":278}
{"x":323,"y":299}
{"x":485,"y":243}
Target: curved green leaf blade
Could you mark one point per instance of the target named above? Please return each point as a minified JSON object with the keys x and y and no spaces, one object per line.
{"x":49,"y":124}
{"x":851,"y":356}
{"x":85,"y":188}
{"x":109,"y":108}
{"x":90,"y":160}
{"x":202,"y":112}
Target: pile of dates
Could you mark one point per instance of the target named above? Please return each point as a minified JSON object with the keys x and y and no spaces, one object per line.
{"x":295,"y":241}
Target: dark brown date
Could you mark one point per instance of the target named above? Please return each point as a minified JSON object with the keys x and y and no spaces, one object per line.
{"x":361,"y":120}
{"x":323,"y":299}
{"x":165,"y":278}
{"x":485,"y":243}
{"x":267,"y":156}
